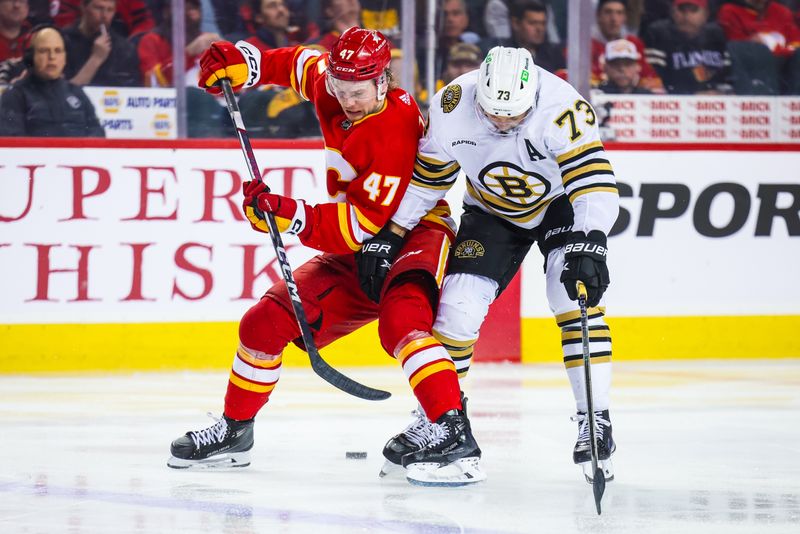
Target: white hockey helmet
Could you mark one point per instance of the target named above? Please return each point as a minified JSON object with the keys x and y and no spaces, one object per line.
{"x":507,"y":82}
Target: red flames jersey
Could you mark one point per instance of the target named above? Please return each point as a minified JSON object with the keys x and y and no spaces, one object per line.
{"x":369,"y":162}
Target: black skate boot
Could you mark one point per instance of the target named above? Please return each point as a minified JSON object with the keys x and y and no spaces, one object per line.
{"x":582,"y":454}
{"x":450,"y":459}
{"x":415,"y":436}
{"x":227,"y":443}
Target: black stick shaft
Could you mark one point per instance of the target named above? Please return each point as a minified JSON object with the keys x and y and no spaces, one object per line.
{"x":320,"y":366}
{"x":598,"y":484}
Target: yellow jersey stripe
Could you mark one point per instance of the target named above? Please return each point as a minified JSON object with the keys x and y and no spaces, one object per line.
{"x":574,"y":152}
{"x":345,"y":228}
{"x":366,"y":223}
{"x":586,"y":168}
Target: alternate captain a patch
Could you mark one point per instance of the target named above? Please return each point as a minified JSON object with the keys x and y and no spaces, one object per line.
{"x":451,"y":97}
{"x":469,"y":249}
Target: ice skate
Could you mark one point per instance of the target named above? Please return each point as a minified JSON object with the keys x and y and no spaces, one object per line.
{"x":415,"y":436}
{"x":582,"y":454}
{"x":452,"y":458}
{"x":225,"y":444}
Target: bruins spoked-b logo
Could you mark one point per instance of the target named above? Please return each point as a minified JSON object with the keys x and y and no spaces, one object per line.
{"x":511,"y":190}
{"x":451,"y":97}
{"x":469,"y":249}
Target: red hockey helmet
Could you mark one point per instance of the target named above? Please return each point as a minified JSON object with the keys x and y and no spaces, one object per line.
{"x":359,"y":55}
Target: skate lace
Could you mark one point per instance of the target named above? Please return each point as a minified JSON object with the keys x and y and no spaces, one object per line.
{"x":600,"y":425}
{"x":439,"y":433}
{"x":421,"y":431}
{"x":213,"y":434}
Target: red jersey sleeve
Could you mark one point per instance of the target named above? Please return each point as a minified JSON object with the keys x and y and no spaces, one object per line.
{"x":384,"y":151}
{"x":297,"y":67}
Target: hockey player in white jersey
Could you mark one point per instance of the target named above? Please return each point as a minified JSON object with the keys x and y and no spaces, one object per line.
{"x":536,"y":171}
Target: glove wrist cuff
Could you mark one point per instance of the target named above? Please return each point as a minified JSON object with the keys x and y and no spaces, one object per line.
{"x":252,"y":58}
{"x":594,"y":245}
{"x":298,"y":219}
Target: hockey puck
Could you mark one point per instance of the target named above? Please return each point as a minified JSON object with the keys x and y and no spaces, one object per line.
{"x":355,"y":455}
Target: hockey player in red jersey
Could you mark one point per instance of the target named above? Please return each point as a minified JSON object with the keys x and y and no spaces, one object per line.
{"x":371,"y":129}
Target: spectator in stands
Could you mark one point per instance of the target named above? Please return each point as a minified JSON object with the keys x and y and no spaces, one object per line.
{"x":155,"y":48}
{"x":96,"y":53}
{"x":622,"y":69}
{"x":496,"y":19}
{"x":764,"y":46}
{"x":227,"y":14}
{"x":339,"y":15}
{"x":13,"y":28}
{"x":453,"y":24}
{"x":529,"y":21}
{"x":131,"y":17}
{"x":463,"y":58}
{"x":44,"y":103}
{"x":688,"y":52}
{"x":611,"y":20}
{"x":13,"y":32}
{"x":271,"y":25}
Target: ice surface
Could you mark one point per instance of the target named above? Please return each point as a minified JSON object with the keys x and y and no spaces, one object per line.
{"x":707,"y":447}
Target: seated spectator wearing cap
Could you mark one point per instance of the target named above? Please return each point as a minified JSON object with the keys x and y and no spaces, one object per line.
{"x":611,"y":18}
{"x":44,"y":103}
{"x":529,"y":30}
{"x":622,"y":68}
{"x":764,"y":44}
{"x":688,"y":52}
{"x":463,"y":58}
{"x":155,"y":48}
{"x":339,"y":16}
{"x":131,"y":17}
{"x":97,"y":54}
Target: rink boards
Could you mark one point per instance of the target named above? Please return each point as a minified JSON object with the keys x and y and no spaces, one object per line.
{"x":134,"y":255}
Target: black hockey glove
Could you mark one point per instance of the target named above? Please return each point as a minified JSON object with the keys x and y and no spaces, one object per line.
{"x":375,"y":259}
{"x":585,"y":260}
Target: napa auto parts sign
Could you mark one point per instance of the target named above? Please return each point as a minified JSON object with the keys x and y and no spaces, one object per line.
{"x":138,"y":232}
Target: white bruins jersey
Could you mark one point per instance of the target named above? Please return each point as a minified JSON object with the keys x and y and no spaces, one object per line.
{"x":556,"y":151}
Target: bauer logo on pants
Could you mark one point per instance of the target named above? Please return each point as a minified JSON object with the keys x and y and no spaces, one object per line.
{"x":469,"y":249}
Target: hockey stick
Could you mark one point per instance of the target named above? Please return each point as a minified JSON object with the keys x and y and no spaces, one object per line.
{"x":599,"y":479}
{"x":320,"y":366}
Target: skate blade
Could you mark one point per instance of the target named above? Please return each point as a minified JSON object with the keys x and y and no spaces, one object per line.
{"x":462,"y":472}
{"x":222,"y":461}
{"x":391,"y":468}
{"x":605,"y":465}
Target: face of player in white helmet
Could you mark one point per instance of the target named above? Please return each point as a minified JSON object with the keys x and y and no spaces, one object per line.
{"x":357,"y":98}
{"x":502,"y":125}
